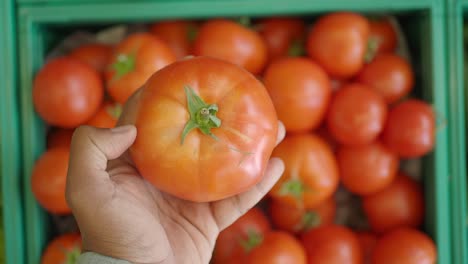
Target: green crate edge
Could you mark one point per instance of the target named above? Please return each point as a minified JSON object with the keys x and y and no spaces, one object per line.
{"x":10,"y":170}
{"x":30,"y":16}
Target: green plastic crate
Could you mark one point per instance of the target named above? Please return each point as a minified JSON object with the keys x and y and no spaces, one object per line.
{"x":422,"y":20}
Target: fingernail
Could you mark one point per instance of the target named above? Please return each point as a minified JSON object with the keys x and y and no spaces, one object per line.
{"x":122,"y":129}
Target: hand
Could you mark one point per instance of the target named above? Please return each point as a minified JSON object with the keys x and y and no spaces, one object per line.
{"x":121,"y":215}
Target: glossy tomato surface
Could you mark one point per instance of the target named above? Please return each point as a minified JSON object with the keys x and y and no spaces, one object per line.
{"x":95,"y":55}
{"x":64,"y":249}
{"x":107,"y":116}
{"x":278,"y":247}
{"x":383,"y":32}
{"x":178,"y":35}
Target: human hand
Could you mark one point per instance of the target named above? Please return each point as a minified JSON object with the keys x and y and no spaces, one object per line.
{"x":121,"y":215}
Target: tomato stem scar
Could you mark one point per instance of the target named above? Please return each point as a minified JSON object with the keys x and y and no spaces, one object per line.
{"x":253,"y":240}
{"x":124,"y":64}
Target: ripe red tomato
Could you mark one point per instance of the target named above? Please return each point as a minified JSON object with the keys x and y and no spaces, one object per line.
{"x":296,"y":219}
{"x":356,"y":115}
{"x":178,"y":34}
{"x":367,"y":241}
{"x":206,"y":129}
{"x":367,"y":169}
{"x":383,"y":32}
{"x":95,"y":55}
{"x":405,"y":246}
{"x":67,"y":92}
{"x":390,"y":75}
{"x":332,"y":244}
{"x":107,"y":116}
{"x":48,"y":180}
{"x":410,"y":129}
{"x":232,"y":42}
{"x":59,"y":137}
{"x":300,"y":91}
{"x":65,"y":248}
{"x":278,"y":247}
{"x":311,"y":172}
{"x":400,"y":204}
{"x":134,"y":60}
{"x":338,"y":42}
{"x":235,"y":242}
{"x":283,"y":36}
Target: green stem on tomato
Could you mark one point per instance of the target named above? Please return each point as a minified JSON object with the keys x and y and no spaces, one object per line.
{"x":296,"y":49}
{"x":293,"y":187}
{"x":372,"y":46}
{"x":125,"y":63}
{"x":245,"y":21}
{"x":192,"y":33}
{"x":253,"y":240}
{"x":72,"y":256}
{"x":310,"y":220}
{"x":202,"y":115}
{"x":114,"y":110}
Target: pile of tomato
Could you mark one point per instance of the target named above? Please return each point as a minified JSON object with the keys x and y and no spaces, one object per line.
{"x":343,"y":95}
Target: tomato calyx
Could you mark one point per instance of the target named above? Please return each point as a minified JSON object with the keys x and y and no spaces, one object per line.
{"x":293,"y":187}
{"x":114,"y":110}
{"x":202,"y":115}
{"x":71,"y":256}
{"x":296,"y":48}
{"x":125,"y":63}
{"x":309,"y":220}
{"x":372,"y":46}
{"x":253,"y":240}
{"x":192,"y":33}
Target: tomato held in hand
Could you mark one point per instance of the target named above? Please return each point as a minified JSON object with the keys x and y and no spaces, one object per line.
{"x":95,"y":55}
{"x":338,"y":42}
{"x":356,"y":115}
{"x":332,"y":244}
{"x":107,"y":116}
{"x":367,"y":169}
{"x":48,"y":180}
{"x":311,"y":172}
{"x":206,"y":130}
{"x":297,"y":219}
{"x":390,"y":75}
{"x":383,"y":32}
{"x":404,"y":246}
{"x":235,"y":242}
{"x":400,"y":204}
{"x":232,"y":42}
{"x":284,"y":36}
{"x":63,"y":249}
{"x":367,"y":241}
{"x":300,"y":91}
{"x":59,"y":137}
{"x":178,"y":35}
{"x":278,"y":247}
{"x":410,"y":129}
{"x":67,"y":92}
{"x":134,"y":60}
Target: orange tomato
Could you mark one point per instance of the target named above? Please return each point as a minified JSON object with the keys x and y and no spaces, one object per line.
{"x":65,"y":248}
{"x":178,"y":35}
{"x":95,"y":55}
{"x":278,"y":247}
{"x":367,"y":241}
{"x":107,"y":116}
{"x":383,"y":32}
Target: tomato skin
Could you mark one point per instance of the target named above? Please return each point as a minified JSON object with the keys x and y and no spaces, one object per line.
{"x":246,"y":137}
{"x":310,"y":160}
{"x":107,"y":116}
{"x":390,"y":75}
{"x":300,"y":91}
{"x":48,"y":180}
{"x":367,"y":169}
{"x":332,"y":244}
{"x":356,"y":115}
{"x":410,"y":129}
{"x":150,"y":55}
{"x":59,"y":137}
{"x":229,"y":41}
{"x":228,"y":248}
{"x":95,"y":55}
{"x":56,"y":250}
{"x":290,"y":218}
{"x":176,"y":34}
{"x":280,"y":33}
{"x":399,"y":204}
{"x":278,"y":247}
{"x":67,"y":92}
{"x":404,"y":246}
{"x":383,"y":32}
{"x":367,"y":241}
{"x":338,"y":42}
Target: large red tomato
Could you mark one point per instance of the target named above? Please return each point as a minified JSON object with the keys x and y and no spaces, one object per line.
{"x":311,"y":173}
{"x":235,"y":242}
{"x":410,"y":129}
{"x":300,"y":91}
{"x":297,"y":219}
{"x":206,"y":129}
{"x":95,"y":55}
{"x":332,"y":244}
{"x":356,"y":115}
{"x":390,"y":75}
{"x":59,"y":137}
{"x":367,"y":241}
{"x":178,"y":34}
{"x":405,"y":246}
{"x":64,"y":249}
{"x":134,"y":60}
{"x":278,"y":247}
{"x":400,"y":204}
{"x":383,"y":32}
{"x":67,"y":92}
{"x":338,"y":42}
{"x":48,"y":180}
{"x":107,"y":116}
{"x":232,"y":42}
{"x":283,"y":36}
{"x":367,"y":169}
